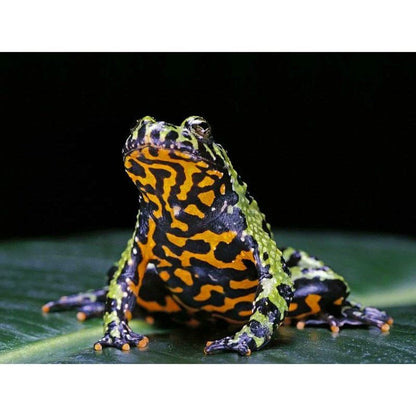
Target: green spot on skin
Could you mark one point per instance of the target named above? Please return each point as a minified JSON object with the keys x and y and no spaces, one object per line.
{"x":270,"y":292}
{"x":110,"y":317}
{"x":115,"y":292}
{"x":125,"y":256}
{"x":296,"y":272}
{"x":115,"y":333}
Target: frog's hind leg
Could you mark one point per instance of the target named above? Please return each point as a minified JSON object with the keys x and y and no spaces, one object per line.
{"x":356,"y":315}
{"x":89,"y":304}
{"x":349,"y":315}
{"x":321,"y":297}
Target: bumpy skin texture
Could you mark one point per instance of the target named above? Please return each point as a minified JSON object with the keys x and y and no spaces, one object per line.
{"x":202,"y":251}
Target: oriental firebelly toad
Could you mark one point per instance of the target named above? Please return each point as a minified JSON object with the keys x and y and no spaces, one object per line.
{"x":202,"y":252}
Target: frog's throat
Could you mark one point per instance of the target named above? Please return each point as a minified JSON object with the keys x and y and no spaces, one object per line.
{"x":146,"y":164}
{"x":177,"y":152}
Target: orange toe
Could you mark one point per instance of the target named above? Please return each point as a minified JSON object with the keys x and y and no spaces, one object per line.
{"x":385,"y":328}
{"x":143,"y":342}
{"x":81,"y":316}
{"x":206,"y":346}
{"x":150,"y":320}
{"x":98,"y":346}
{"x":300,"y":325}
{"x":335,"y":329}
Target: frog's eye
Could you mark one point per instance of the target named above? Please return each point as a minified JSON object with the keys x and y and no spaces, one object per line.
{"x":198,"y":126}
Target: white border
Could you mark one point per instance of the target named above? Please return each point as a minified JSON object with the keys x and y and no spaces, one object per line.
{"x":201,"y":390}
{"x":217,"y":25}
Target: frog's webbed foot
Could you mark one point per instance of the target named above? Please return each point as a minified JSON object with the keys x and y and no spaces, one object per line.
{"x":239,"y":345}
{"x":252,"y":336}
{"x":89,"y":304}
{"x":351,"y":314}
{"x":121,"y":337}
{"x":355,"y":314}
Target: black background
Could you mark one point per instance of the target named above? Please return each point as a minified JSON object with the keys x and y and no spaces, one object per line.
{"x":324,"y":141}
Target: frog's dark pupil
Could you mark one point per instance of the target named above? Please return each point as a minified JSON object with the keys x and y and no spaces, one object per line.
{"x":203,"y":126}
{"x":201,"y":129}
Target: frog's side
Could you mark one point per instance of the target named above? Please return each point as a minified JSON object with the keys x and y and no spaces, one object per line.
{"x":202,"y":251}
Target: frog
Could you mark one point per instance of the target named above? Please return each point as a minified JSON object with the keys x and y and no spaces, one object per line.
{"x":202,"y":253}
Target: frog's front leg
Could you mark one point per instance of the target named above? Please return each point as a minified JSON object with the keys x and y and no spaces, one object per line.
{"x":121,"y":299}
{"x":120,"y":302}
{"x":269,"y":309}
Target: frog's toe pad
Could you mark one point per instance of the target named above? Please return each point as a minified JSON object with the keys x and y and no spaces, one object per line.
{"x":122,"y":343}
{"x":227,"y":344}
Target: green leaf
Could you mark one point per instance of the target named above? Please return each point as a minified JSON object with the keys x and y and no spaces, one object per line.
{"x":381,"y":271}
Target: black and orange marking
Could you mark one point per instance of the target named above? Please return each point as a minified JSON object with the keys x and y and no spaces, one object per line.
{"x":187,"y":199}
